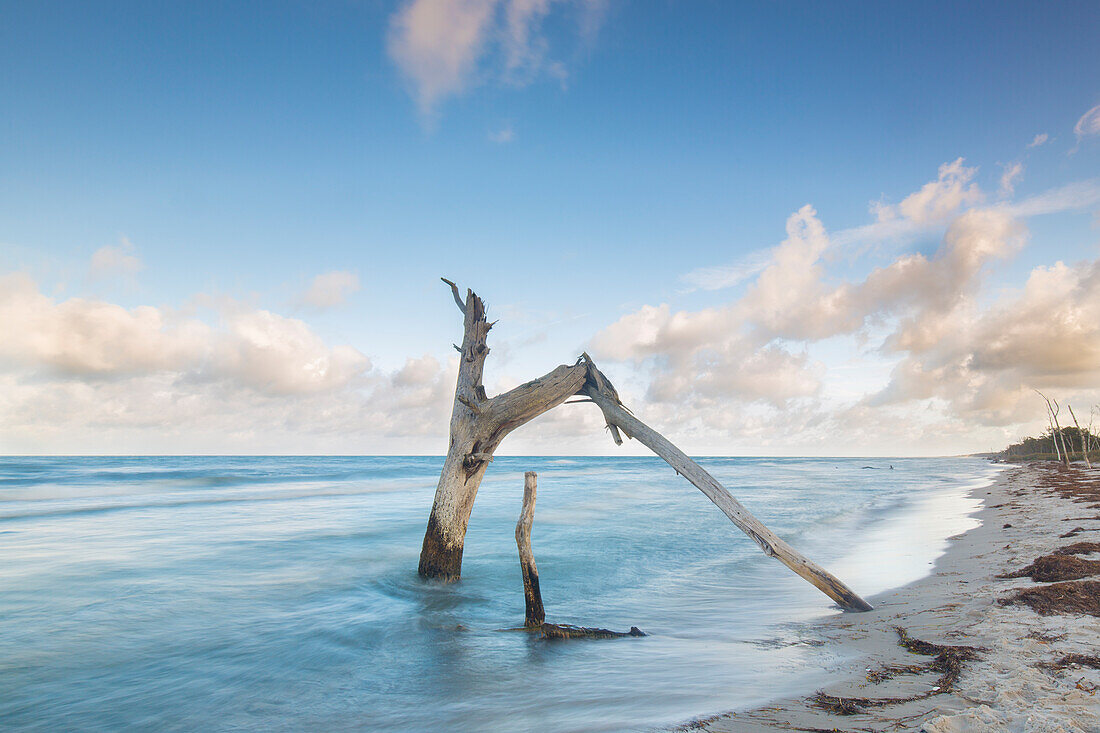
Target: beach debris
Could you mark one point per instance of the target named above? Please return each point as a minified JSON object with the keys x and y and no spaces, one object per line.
{"x":1078,"y":548}
{"x":534,"y":614}
{"x":1080,"y":598}
{"x":1072,"y":661}
{"x":1050,"y":568}
{"x":568,"y":631}
{"x":479,"y":424}
{"x":948,"y":662}
{"x":534,"y":617}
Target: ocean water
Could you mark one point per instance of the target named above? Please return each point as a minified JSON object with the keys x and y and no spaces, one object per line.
{"x":280,"y":593}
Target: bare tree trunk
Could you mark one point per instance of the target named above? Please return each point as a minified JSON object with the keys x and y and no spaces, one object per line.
{"x":1061,"y":435}
{"x":478,"y":425}
{"x":1055,"y":435}
{"x":1080,"y":437}
{"x":620,"y":419}
{"x":534,"y":614}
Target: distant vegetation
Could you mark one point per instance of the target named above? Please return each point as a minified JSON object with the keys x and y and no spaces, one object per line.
{"x":1044,"y":449}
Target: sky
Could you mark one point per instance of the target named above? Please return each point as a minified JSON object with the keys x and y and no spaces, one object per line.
{"x":781,"y":228}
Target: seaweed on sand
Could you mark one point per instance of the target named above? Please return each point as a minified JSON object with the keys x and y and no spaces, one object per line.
{"x":1080,"y":597}
{"x":948,"y":661}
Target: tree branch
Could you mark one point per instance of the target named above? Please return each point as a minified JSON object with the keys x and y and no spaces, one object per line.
{"x":454,"y":292}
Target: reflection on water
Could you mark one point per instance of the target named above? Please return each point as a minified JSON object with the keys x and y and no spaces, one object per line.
{"x":281,"y":593}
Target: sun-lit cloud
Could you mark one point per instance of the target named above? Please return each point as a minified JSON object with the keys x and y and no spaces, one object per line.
{"x":444,"y":47}
{"x":967,"y":363}
{"x":74,"y":372}
{"x":330,"y":289}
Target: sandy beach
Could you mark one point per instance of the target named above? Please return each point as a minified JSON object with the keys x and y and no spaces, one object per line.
{"x":966,"y":649}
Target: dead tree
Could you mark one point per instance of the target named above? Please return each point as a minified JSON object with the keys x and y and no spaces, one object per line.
{"x":534,"y":614}
{"x":1080,"y":437}
{"x":480,"y":423}
{"x":1056,"y":434}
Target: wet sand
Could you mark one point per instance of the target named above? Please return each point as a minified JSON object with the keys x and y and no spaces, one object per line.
{"x":993,"y":662}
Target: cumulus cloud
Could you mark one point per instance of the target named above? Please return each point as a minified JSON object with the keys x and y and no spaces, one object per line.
{"x":113,"y":260}
{"x":748,"y":362}
{"x":330,"y":289}
{"x":439,"y":45}
{"x":130,"y":379}
{"x":82,"y":337}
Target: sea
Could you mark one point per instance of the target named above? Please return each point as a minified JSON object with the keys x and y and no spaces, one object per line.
{"x":259,"y":593}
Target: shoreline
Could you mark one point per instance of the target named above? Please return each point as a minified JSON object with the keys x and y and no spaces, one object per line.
{"x":879,"y":685}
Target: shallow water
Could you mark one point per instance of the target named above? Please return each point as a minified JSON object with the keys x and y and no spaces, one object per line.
{"x":280,"y":593}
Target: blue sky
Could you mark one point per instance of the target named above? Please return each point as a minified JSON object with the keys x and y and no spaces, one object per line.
{"x":574,"y":165}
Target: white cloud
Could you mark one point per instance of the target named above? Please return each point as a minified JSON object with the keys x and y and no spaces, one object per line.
{"x":937,"y":200}
{"x":85,"y":338}
{"x":330,"y":289}
{"x":436,"y":43}
{"x":1038,"y":140}
{"x":87,"y":375}
{"x":503,"y":136}
{"x":1010,"y":176}
{"x":745,"y":367}
{"x":1089,"y":124}
{"x":119,"y":259}
{"x":726,"y":276}
{"x":439,"y":45}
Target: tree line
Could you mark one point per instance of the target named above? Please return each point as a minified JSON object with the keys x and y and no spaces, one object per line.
{"x":1059,"y":442}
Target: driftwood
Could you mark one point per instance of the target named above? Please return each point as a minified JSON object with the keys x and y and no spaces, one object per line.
{"x":480,"y":423}
{"x":1080,"y":437}
{"x":534,"y":614}
{"x":619,"y":419}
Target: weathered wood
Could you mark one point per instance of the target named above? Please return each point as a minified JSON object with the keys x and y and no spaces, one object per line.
{"x":478,"y":425}
{"x":534,"y":615}
{"x":599,"y":389}
{"x":568,"y":631}
{"x":1081,"y":438}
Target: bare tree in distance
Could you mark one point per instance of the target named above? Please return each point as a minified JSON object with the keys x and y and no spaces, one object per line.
{"x":1080,"y":437}
{"x":1052,"y":413}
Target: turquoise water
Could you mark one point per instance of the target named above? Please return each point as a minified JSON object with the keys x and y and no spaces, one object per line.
{"x":280,"y":593}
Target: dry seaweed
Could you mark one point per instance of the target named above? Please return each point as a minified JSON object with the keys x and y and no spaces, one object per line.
{"x":1050,"y":568}
{"x":948,"y":662}
{"x":1077,"y":598}
{"x":1078,"y":548}
{"x":1072,"y":660}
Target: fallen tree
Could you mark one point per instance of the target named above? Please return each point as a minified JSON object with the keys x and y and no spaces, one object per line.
{"x":479,"y":424}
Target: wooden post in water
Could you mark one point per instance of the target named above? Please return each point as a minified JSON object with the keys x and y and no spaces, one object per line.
{"x":534,"y":614}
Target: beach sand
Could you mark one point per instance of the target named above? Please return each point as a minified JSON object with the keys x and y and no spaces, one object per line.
{"x":1012,"y":681}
